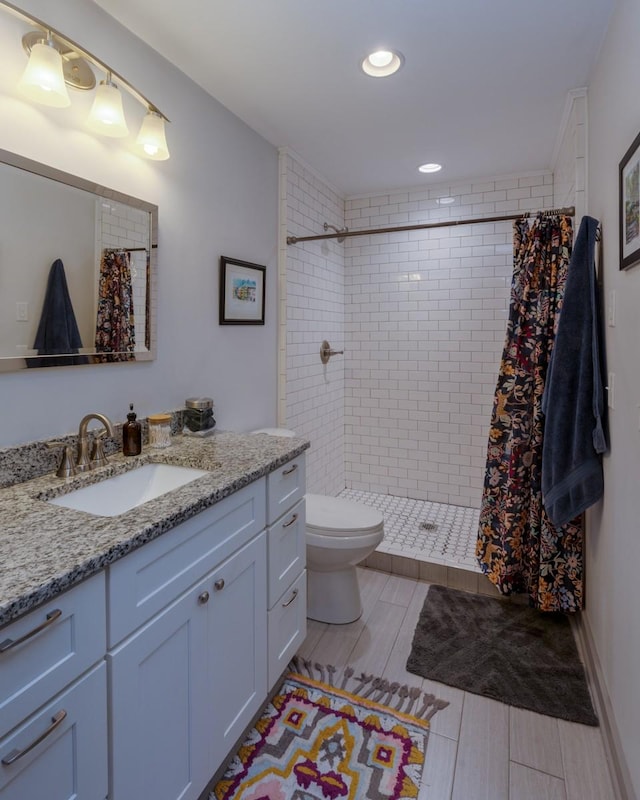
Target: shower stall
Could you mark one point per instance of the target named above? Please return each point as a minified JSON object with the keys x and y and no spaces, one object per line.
{"x":401,"y":420}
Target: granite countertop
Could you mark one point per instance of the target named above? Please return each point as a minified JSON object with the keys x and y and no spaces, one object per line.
{"x":45,"y":549}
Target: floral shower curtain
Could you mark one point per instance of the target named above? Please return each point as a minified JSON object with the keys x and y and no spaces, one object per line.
{"x":518,"y":547}
{"x":115,"y":329}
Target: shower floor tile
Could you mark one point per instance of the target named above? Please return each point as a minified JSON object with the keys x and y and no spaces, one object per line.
{"x":436,"y":533}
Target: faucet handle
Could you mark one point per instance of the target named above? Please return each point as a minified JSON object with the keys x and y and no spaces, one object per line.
{"x":98,"y":456}
{"x":67,"y":466}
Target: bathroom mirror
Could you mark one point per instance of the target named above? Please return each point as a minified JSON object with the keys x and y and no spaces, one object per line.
{"x":77,"y":270}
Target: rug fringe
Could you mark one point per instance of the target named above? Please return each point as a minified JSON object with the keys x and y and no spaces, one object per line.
{"x":372,"y":687}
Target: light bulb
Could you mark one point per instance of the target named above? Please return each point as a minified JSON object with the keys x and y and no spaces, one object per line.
{"x":107,"y":116}
{"x":151,"y":141}
{"x":382,"y":63}
{"x":381,"y":58}
{"x":43,"y":80}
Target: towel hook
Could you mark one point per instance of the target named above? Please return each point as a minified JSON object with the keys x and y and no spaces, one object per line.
{"x":326,"y":352}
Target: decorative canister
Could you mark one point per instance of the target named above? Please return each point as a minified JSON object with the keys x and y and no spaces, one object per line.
{"x":198,"y":415}
{"x":159,"y":430}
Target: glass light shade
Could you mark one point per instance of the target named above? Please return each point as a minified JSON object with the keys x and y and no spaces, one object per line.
{"x":106,"y":116}
{"x":151,"y":141}
{"x":42,"y":80}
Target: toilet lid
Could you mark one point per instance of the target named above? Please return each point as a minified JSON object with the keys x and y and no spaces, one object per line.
{"x":333,"y":516}
{"x":276,"y":432}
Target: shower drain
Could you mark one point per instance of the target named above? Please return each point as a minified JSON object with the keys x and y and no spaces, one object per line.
{"x":428,"y":526}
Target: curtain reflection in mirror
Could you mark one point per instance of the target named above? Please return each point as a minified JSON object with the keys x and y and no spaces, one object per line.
{"x":115,"y":324}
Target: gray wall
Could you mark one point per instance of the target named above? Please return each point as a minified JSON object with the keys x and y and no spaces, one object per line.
{"x":217,"y":195}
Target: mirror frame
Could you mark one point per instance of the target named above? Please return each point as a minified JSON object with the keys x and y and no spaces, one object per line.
{"x":10,"y":363}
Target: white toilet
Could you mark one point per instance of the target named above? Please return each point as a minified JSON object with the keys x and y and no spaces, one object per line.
{"x":340,"y":534}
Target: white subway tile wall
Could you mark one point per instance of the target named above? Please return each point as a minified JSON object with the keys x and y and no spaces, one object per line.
{"x":425,"y":321}
{"x":119,"y":225}
{"x":312,"y":277}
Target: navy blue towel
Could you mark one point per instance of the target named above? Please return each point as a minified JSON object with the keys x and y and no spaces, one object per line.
{"x":573,"y":401}
{"x":58,"y":333}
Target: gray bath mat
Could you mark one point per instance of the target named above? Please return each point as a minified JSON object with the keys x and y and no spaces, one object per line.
{"x":508,"y":652}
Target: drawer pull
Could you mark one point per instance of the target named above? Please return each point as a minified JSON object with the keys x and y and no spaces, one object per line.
{"x":14,"y":755}
{"x":219,"y":584}
{"x":52,"y":616}
{"x":291,"y":469}
{"x":291,"y":521}
{"x":291,"y":599}
{"x":203,"y":598}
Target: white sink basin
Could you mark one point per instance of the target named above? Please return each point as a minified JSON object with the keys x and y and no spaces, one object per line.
{"x":121,"y":493}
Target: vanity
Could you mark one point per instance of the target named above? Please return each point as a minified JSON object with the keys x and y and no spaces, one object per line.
{"x":136,"y":649}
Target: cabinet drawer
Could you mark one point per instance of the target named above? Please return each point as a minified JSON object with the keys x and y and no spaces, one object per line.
{"x":285,"y":486}
{"x":66,"y":640}
{"x":144,"y":582}
{"x":70,"y":761}
{"x":286,"y":551}
{"x":287,"y":627}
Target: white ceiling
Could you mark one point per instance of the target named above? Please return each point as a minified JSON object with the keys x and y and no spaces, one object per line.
{"x":482,"y":90}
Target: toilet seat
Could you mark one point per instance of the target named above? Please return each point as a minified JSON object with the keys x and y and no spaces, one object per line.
{"x":337,"y":517}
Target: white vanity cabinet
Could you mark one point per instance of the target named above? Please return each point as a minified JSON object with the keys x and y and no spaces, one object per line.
{"x":138,"y":682}
{"x":184,"y":685}
{"x":287,"y":577}
{"x":53,"y":699}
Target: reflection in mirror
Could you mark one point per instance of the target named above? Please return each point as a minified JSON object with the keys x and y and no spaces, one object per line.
{"x":77,"y":270}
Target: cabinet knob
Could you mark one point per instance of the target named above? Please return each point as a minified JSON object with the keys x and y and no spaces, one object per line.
{"x":219,"y":584}
{"x":203,"y":598}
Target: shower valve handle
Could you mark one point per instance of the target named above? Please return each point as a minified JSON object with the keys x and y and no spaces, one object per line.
{"x":326,"y":352}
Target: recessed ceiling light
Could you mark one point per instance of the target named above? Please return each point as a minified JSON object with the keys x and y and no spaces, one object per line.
{"x":430,"y":168}
{"x":445,"y":201}
{"x":382,"y":63}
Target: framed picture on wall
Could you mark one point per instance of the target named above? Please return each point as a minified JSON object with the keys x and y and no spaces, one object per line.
{"x":629,"y":210}
{"x":241,"y":292}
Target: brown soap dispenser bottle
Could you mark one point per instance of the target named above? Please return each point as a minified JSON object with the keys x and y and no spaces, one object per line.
{"x":131,"y":435}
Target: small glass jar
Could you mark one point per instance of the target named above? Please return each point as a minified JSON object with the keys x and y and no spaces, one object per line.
{"x":198,"y":414}
{"x":159,"y":430}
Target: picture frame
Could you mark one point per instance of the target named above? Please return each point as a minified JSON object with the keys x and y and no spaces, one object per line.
{"x":242,"y":292}
{"x":629,"y":209}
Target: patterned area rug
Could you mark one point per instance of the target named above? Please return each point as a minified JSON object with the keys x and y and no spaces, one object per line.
{"x":511,"y":653}
{"x":318,"y":742}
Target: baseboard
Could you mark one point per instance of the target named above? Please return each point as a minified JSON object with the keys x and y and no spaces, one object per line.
{"x":620,"y":776}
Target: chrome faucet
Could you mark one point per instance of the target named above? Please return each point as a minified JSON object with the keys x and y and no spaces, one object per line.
{"x":98,"y":457}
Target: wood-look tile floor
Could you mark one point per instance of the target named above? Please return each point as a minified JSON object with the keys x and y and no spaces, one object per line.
{"x":478,"y":749}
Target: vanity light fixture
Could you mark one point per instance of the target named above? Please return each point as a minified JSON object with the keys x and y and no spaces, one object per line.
{"x":445,"y":201}
{"x":430,"y":168}
{"x":151,"y":139}
{"x":56,"y":61}
{"x":382,"y":63}
{"x":43,"y":79}
{"x":107,"y":115}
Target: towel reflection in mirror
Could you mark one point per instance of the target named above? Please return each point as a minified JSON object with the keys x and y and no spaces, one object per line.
{"x":58,"y":335}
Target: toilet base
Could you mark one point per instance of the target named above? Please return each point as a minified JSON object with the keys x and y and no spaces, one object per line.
{"x":333,"y":596}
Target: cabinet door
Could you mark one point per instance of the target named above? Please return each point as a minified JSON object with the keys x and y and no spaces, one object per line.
{"x":238,"y":644}
{"x":68,"y":759}
{"x":161,"y":705}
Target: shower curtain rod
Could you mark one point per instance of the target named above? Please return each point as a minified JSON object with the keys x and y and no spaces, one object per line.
{"x":567,"y":212}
